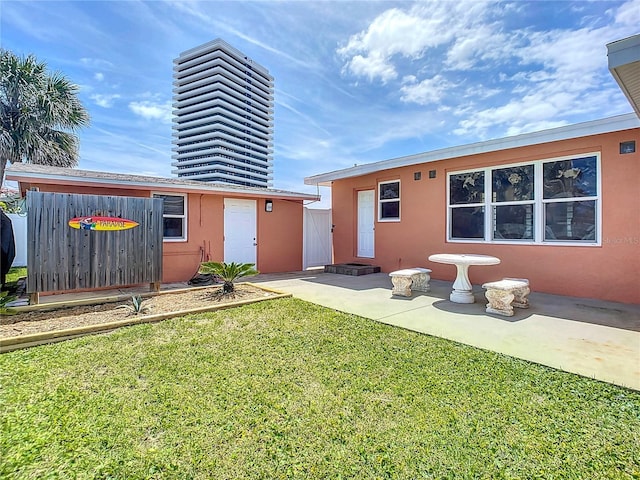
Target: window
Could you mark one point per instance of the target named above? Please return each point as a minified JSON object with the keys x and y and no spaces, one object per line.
{"x":549,"y":201}
{"x":570,"y":195}
{"x":512,"y":202}
{"x":389,"y":201}
{"x":174,"y":217}
{"x":466,"y":197}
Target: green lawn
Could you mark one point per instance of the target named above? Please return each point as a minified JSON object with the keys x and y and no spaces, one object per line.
{"x":288,"y":389}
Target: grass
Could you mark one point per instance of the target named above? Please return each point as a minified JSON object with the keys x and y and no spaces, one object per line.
{"x":288,"y":389}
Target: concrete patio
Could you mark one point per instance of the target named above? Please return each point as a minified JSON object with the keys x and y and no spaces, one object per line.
{"x":596,"y":339}
{"x":592,"y":338}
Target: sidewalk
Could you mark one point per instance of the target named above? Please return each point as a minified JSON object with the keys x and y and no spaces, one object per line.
{"x":592,"y":338}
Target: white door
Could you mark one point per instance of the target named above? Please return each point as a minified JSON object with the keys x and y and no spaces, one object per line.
{"x":366,"y":223}
{"x":240,"y":231}
{"x":317,"y":238}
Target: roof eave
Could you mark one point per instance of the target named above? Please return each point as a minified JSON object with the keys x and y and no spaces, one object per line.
{"x":595,"y":127}
{"x":624,"y":65}
{"x":88,"y":181}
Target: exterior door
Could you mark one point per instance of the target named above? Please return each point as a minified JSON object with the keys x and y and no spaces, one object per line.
{"x":366,"y":223}
{"x":240,"y":240}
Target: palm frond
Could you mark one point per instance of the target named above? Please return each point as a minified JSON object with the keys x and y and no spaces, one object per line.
{"x":5,"y":298}
{"x":39,"y":111}
{"x":229,"y":272}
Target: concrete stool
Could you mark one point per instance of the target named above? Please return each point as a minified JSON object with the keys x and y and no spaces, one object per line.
{"x":520,"y":294}
{"x":410,"y":279}
{"x":501,"y":294}
{"x":421,"y":280}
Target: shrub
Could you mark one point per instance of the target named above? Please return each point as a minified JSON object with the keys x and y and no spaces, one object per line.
{"x":228,"y":272}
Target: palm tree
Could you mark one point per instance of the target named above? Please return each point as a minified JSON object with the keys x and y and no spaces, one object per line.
{"x":228,"y":272}
{"x":37,"y":110}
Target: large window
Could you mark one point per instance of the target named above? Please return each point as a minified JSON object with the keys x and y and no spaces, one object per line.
{"x":389,"y":201}
{"x":174,"y":217}
{"x":549,"y":201}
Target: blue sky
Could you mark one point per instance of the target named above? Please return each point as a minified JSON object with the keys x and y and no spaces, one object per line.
{"x":355,"y":82}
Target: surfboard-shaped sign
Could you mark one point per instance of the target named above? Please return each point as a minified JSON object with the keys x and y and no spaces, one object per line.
{"x":102,"y":223}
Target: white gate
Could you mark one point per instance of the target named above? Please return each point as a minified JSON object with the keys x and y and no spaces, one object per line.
{"x":316,"y":245}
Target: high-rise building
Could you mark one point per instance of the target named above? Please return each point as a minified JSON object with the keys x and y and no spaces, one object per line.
{"x":223,"y":117}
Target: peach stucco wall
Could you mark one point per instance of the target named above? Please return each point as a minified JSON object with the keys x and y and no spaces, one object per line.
{"x":204,"y":243}
{"x":279,"y":232}
{"x":280,"y":236}
{"x":609,"y":272}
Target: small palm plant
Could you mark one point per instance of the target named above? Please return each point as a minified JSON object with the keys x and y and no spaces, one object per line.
{"x":228,"y":272}
{"x":136,"y":306}
{"x":4,"y":299}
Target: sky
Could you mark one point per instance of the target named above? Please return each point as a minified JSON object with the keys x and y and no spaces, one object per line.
{"x":355,"y":82}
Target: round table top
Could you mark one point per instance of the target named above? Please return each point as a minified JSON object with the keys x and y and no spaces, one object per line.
{"x":464,"y":259}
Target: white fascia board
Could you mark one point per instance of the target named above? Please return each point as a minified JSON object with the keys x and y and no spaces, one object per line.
{"x":154,"y":185}
{"x":624,"y":65}
{"x":607,"y":125}
{"x":624,"y":51}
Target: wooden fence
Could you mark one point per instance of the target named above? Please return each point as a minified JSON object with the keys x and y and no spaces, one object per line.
{"x":61,"y":258}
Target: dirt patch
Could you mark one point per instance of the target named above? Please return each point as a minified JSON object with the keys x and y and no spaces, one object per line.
{"x":26,"y":323}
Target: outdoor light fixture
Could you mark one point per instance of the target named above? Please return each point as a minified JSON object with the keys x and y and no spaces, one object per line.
{"x":268,"y":205}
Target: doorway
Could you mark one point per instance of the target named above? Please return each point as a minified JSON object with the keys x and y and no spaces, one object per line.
{"x":240,"y":240}
{"x":366,"y":226}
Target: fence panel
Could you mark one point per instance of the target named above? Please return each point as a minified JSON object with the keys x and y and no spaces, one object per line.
{"x":317,"y":242}
{"x":64,"y":258}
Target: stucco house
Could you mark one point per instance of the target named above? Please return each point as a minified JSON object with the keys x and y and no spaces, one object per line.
{"x":560,"y":207}
{"x":202,"y":221}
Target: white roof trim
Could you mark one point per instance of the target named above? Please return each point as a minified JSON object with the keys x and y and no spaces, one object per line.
{"x":26,"y":172}
{"x":624,"y":65}
{"x":607,"y":125}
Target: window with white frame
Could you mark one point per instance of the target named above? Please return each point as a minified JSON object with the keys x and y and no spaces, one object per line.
{"x":174,"y":216}
{"x":547,"y":201}
{"x":389,"y":201}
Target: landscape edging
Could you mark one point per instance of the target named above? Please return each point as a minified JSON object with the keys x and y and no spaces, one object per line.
{"x":9,"y":344}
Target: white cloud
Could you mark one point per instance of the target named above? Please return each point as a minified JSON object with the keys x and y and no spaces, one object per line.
{"x":99,"y":76}
{"x":372,"y":67}
{"x":104,"y":101}
{"x":307,"y":119}
{"x":430,"y":90}
{"x":629,"y":14}
{"x":407,"y":34}
{"x":531,"y":112}
{"x":564,"y":73}
{"x":152,"y":111}
{"x":96,"y":63}
{"x":464,"y":58}
{"x":478,"y":46}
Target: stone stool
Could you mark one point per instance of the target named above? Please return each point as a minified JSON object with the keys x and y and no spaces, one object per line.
{"x":410,"y":279}
{"x":520,"y":294}
{"x":501,"y":294}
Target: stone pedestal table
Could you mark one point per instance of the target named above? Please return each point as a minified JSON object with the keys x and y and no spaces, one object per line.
{"x":462,"y":286}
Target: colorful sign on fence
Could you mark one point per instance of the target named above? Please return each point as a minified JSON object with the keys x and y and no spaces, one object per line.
{"x":102,"y":223}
